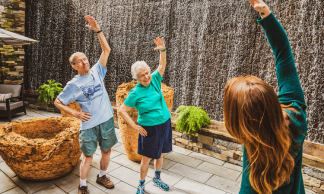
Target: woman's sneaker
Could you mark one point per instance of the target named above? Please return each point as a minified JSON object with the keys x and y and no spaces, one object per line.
{"x":140,"y":190}
{"x":159,"y":183}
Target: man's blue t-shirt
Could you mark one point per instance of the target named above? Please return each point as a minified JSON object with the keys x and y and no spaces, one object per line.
{"x":90,"y":93}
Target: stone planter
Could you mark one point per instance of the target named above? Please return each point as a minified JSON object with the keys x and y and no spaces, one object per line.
{"x":41,"y":149}
{"x":129,"y":135}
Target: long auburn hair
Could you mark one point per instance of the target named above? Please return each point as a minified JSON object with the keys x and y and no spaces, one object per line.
{"x":254,"y":115}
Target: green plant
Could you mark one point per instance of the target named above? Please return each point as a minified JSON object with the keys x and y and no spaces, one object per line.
{"x":48,"y":91}
{"x":189,"y":119}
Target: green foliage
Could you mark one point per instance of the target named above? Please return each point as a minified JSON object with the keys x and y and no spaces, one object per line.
{"x":48,"y":91}
{"x":189,"y":119}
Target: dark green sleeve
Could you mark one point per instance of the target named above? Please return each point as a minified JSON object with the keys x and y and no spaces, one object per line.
{"x":290,"y":89}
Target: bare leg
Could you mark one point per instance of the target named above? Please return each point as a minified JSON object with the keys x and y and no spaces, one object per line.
{"x":85,"y":166}
{"x":105,"y":159}
{"x":158,"y":163}
{"x":144,"y":167}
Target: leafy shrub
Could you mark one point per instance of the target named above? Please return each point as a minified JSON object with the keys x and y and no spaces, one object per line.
{"x":48,"y":91}
{"x":189,"y":119}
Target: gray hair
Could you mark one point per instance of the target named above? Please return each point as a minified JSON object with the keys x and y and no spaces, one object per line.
{"x":137,"y":66}
{"x":71,"y":59}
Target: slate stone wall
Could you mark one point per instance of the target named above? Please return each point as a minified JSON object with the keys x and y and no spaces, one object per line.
{"x":12,"y":18}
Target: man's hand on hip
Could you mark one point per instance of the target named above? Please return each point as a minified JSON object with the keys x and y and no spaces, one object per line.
{"x":84,"y":116}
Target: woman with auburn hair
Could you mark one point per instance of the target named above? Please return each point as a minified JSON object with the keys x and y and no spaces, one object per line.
{"x":272,"y":128}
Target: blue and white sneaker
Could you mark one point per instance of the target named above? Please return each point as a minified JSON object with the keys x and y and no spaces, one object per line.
{"x":140,"y":190}
{"x":159,"y":183}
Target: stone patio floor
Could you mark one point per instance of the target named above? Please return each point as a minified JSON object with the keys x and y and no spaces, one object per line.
{"x":183,"y":170}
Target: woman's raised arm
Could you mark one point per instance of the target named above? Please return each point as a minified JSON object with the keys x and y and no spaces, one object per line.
{"x":288,"y":81}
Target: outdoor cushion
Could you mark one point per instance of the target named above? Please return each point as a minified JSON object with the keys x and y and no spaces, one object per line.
{"x":3,"y":97}
{"x":13,"y":105}
{"x":7,"y":88}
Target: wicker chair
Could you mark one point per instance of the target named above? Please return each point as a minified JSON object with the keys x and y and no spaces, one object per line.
{"x":15,"y":104}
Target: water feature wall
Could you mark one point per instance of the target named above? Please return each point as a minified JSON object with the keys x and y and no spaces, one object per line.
{"x":208,"y":42}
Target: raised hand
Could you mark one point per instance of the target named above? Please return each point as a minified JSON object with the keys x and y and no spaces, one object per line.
{"x":159,"y":44}
{"x":92,"y":23}
{"x":260,"y":7}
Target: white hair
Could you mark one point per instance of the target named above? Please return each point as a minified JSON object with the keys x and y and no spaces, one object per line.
{"x":71,"y":59}
{"x":137,"y":66}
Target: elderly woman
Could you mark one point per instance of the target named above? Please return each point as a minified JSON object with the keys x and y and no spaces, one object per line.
{"x":155,"y":133}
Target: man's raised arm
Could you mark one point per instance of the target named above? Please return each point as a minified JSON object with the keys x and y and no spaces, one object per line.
{"x":103,"y":42}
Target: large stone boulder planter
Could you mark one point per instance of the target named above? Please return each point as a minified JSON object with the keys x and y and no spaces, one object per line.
{"x":41,"y":149}
{"x":128,"y":134}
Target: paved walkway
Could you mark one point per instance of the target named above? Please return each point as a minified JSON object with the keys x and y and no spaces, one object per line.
{"x":185,"y":172}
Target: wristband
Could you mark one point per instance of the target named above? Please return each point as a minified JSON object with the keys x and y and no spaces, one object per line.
{"x":99,"y":31}
{"x":163,"y":50}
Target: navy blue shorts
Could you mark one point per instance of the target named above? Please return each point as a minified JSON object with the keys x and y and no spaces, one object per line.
{"x":157,"y":141}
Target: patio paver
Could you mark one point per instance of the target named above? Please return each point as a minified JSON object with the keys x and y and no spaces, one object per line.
{"x":91,"y":188}
{"x":68,"y":182}
{"x":180,"y":150}
{"x":122,"y":188}
{"x":6,"y":169}
{"x":15,"y":190}
{"x":190,"y":172}
{"x":31,"y":186}
{"x":206,"y":158}
{"x":128,"y":176}
{"x":233,"y":167}
{"x":51,"y":190}
{"x":6,"y":183}
{"x":224,"y":184}
{"x":194,"y":187}
{"x":219,"y":170}
{"x":119,"y":149}
{"x":149,"y":188}
{"x":183,"y":159}
{"x":123,"y":160}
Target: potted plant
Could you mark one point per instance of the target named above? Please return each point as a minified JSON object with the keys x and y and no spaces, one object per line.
{"x":47,"y":92}
{"x":190,"y":119}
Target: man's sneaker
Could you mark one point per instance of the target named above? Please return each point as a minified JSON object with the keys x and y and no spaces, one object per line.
{"x":140,"y":190}
{"x":105,"y":181}
{"x":159,"y":183}
{"x":83,"y":190}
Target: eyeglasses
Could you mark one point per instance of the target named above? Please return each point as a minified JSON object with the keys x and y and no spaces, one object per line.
{"x":80,"y":61}
{"x":142,"y":76}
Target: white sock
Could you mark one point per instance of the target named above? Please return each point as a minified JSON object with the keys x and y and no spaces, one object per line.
{"x":83,"y":183}
{"x":101,"y":173}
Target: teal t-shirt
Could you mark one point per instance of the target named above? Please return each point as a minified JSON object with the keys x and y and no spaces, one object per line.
{"x":149,"y":102}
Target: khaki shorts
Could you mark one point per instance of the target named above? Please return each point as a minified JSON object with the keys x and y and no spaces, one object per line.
{"x":104,"y":133}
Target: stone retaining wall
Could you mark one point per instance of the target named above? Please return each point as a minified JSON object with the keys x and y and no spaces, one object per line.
{"x":12,"y":14}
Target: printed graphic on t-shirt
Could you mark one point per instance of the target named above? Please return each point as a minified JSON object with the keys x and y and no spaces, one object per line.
{"x":90,"y":90}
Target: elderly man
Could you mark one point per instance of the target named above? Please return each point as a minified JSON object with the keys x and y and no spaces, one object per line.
{"x":97,"y":123}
